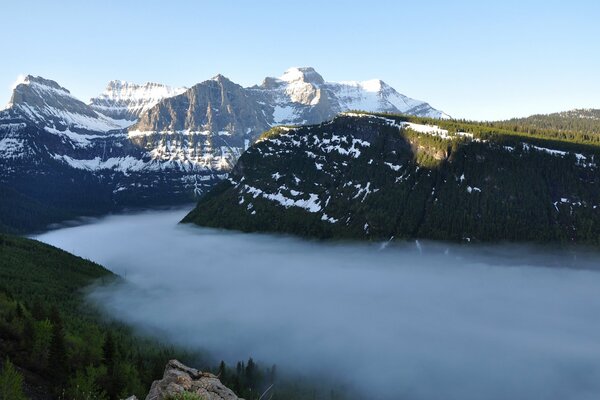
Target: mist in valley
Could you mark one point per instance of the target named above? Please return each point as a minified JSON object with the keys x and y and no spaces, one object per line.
{"x":426,"y":321}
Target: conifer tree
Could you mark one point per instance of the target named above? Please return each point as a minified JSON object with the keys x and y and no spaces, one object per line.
{"x":11,"y":383}
{"x":57,"y":357}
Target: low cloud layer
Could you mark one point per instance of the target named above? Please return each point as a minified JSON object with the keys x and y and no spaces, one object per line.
{"x":418,"y":322}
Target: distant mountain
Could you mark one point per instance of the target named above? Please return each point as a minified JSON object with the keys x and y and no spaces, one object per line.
{"x":379,"y":177}
{"x":143,"y":145}
{"x":301,"y":96}
{"x":50,"y":106}
{"x":213,"y":122}
{"x":65,"y":158}
{"x":126,"y":100}
{"x":579,"y":120}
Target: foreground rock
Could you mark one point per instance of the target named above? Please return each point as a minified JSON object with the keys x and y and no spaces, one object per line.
{"x":179,"y":378}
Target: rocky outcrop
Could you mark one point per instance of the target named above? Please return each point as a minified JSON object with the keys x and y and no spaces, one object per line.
{"x":179,"y":378}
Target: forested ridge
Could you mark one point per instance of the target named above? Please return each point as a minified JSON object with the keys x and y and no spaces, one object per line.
{"x":585,"y":122}
{"x":471,"y":182}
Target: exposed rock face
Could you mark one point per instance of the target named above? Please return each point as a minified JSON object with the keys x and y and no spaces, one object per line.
{"x":127,"y":100}
{"x":179,"y":378}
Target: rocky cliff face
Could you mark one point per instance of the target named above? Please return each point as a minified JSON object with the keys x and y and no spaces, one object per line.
{"x":179,"y":378}
{"x":209,"y":125}
{"x":127,"y":100}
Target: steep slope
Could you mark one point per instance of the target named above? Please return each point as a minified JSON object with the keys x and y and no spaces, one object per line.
{"x":126,"y":100}
{"x":209,"y":125}
{"x":377,"y":177}
{"x":46,"y":103}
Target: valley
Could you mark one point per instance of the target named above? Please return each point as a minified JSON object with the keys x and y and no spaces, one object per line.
{"x":494,"y":322}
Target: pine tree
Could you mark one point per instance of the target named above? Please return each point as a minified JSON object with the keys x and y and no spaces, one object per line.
{"x":38,"y":311}
{"x":109,"y":352}
{"x":11,"y":383}
{"x":222,"y":372}
{"x":251,"y":373}
{"x":57,"y":357}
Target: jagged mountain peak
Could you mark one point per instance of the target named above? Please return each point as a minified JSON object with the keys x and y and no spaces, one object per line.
{"x":52,"y":107}
{"x":127,"y":100}
{"x":38,"y":80}
{"x":221,"y":78}
{"x":34,"y":89}
{"x":121,"y":84}
{"x":302,"y":74}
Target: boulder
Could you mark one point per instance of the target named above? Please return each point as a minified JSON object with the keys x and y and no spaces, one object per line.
{"x":179,"y":378}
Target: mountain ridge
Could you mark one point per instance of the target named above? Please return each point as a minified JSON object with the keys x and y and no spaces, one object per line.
{"x":378,"y":177}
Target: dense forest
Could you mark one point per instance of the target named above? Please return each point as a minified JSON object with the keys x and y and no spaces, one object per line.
{"x":581,"y":121}
{"x":473,"y":183}
{"x":54,"y":345}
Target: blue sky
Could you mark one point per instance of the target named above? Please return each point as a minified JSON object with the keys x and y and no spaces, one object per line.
{"x":472,"y":59}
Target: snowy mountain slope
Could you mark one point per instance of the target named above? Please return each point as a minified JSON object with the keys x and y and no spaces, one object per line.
{"x":126,"y":100}
{"x":302,"y":96}
{"x":58,"y":150}
{"x":51,"y":106}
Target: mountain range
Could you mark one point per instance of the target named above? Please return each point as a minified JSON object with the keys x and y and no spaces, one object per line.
{"x":144,"y":145}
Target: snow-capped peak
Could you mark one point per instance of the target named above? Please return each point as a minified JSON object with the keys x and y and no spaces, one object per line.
{"x":303,"y":74}
{"x":45,"y":102}
{"x":122,"y":99}
{"x":301,"y":95}
{"x":42,"y":84}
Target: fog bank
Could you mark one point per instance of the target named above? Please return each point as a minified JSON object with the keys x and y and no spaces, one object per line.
{"x":433,"y":321}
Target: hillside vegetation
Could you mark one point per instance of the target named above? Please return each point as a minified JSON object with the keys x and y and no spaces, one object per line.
{"x":378,"y":176}
{"x":584,"y":122}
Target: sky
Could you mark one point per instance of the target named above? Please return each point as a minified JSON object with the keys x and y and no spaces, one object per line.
{"x":472,"y":59}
